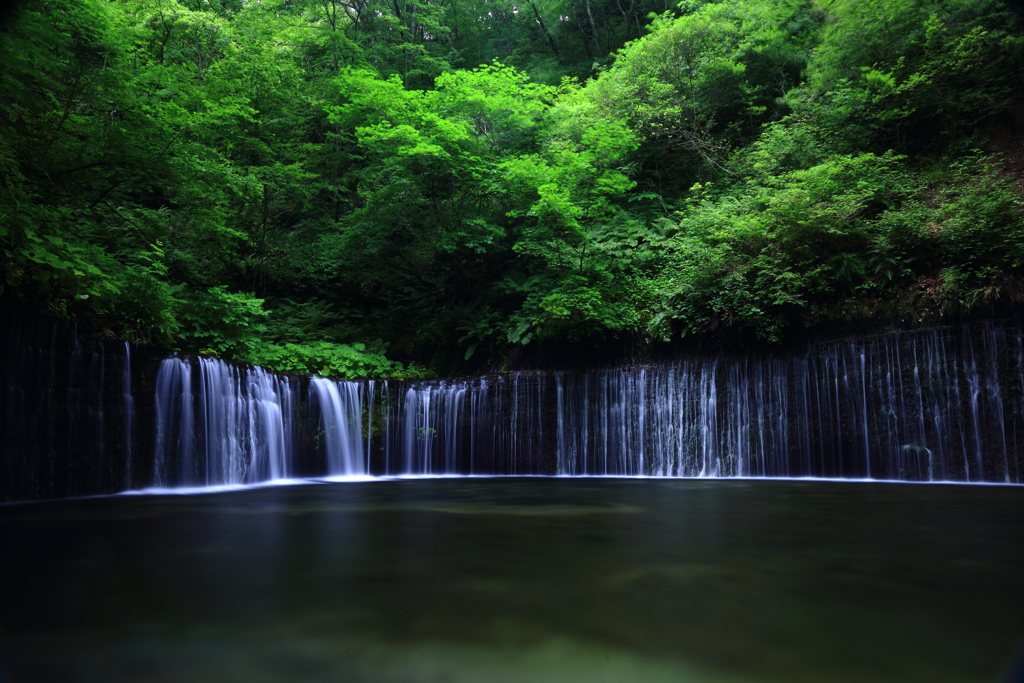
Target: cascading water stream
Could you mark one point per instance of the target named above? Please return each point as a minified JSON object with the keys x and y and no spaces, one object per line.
{"x":129,"y":414}
{"x":341,"y":410}
{"x":937,"y":405}
{"x":484,"y":425}
{"x":915,"y":407}
{"x":220,"y":424}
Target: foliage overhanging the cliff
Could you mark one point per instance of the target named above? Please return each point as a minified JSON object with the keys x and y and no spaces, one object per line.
{"x":284,"y":182}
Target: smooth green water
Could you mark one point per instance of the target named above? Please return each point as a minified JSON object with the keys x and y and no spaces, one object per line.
{"x":501,"y":580}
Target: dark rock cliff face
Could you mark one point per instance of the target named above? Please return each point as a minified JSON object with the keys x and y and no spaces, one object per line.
{"x":82,"y":415}
{"x":65,"y":420}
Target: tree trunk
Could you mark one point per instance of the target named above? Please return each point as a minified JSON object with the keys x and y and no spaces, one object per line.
{"x":544,"y":27}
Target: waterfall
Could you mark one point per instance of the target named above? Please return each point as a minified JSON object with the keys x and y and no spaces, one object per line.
{"x":272,"y":403}
{"x":221,"y":424}
{"x":935,"y":405}
{"x":129,"y":414}
{"x":484,"y":425}
{"x":174,"y":432}
{"x":341,"y":410}
{"x":915,"y":406}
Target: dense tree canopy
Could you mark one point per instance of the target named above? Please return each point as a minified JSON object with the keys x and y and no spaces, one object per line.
{"x":322,"y":185}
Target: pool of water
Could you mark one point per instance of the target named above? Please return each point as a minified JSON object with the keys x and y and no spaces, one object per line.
{"x":513,"y":579}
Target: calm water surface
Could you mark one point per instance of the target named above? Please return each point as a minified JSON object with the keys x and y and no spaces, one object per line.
{"x":502,"y":580}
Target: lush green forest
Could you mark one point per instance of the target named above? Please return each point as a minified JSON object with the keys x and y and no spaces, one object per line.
{"x":411,"y":187}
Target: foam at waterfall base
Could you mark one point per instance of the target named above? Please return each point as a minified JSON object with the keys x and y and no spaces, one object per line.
{"x":364,"y":479}
{"x":221,"y":488}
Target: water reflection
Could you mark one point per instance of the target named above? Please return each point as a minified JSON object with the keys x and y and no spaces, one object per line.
{"x":518,"y":580}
